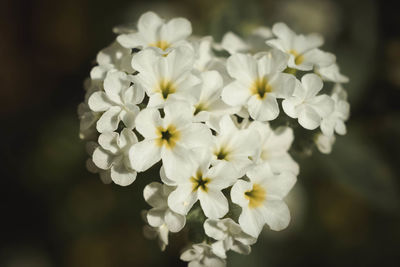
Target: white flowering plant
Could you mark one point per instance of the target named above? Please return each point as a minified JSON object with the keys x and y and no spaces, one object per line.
{"x":224,"y":119}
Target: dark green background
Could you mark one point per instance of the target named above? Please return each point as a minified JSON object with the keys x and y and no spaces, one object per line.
{"x":345,"y":206}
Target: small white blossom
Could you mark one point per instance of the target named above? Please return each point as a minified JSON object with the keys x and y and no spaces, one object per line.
{"x":113,"y":154}
{"x":302,"y":49}
{"x":305,"y":105}
{"x":169,"y":138}
{"x":165,"y":77}
{"x":335,"y":121}
{"x":229,"y":236}
{"x":331,"y":73}
{"x":112,"y":57}
{"x":161,"y":232}
{"x":156,"y":32}
{"x":201,"y":255}
{"x":258,"y":83}
{"x":156,"y":195}
{"x":208,"y":106}
{"x":261,"y":199}
{"x":324,"y":143}
{"x":105,"y":175}
{"x":274,"y":147}
{"x":235,"y":147}
{"x":203,"y":184}
{"x":118,"y":102}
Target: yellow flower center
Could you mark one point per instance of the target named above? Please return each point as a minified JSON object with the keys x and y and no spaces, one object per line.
{"x":167,"y":136}
{"x":222,"y":153}
{"x":200,"y":107}
{"x":256,"y":196}
{"x":298,"y":58}
{"x":200,"y":182}
{"x":261,"y":88}
{"x":161,"y":44}
{"x":165,"y":88}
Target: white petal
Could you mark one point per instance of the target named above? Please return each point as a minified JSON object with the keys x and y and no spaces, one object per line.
{"x":99,"y":101}
{"x":323,"y":105}
{"x":182,"y":199}
{"x":174,"y":221}
{"x":213,"y":203}
{"x":235,"y":94}
{"x":279,"y":186}
{"x":153,"y":194}
{"x":251,"y":221}
{"x":127,"y":138}
{"x":276,"y":214}
{"x":115,"y":82}
{"x":275,"y":61}
{"x":233,"y":43}
{"x":266,"y":109}
{"x":147,"y":122}
{"x":102,"y":158}
{"x":312,"y":83}
{"x":212,"y":229}
{"x":149,"y":24}
{"x":309,"y":118}
{"x":108,"y":122}
{"x":128,"y":117}
{"x":155,"y":217}
{"x":177,"y":156}
{"x":319,"y":58}
{"x":242,"y":67}
{"x":197,"y":135}
{"x":122,"y":175}
{"x":176,"y":29}
{"x":222,"y":176}
{"x":290,"y":106}
{"x":144,"y":154}
{"x":132,"y":40}
{"x":241,"y":248}
{"x":237,"y":193}
{"x":109,"y":141}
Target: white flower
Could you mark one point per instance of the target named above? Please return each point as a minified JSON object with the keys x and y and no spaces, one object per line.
{"x":169,"y":138}
{"x":155,"y":32}
{"x":203,"y":184}
{"x":161,"y":232}
{"x":235,"y":147}
{"x":306,"y":105}
{"x":156,"y":195}
{"x":201,"y":255}
{"x":324,"y":143}
{"x":303,"y":49}
{"x":105,"y":175}
{"x":118,"y":102}
{"x":208,"y":106}
{"x":229,"y":236}
{"x":335,"y":121}
{"x":233,"y":44}
{"x":258,"y":83}
{"x":331,"y":73}
{"x":113,"y":154}
{"x":88,"y":120}
{"x":254,"y":42}
{"x":261,"y":199}
{"x":205,"y":58}
{"x":112,"y":57}
{"x":165,"y":78}
{"x":274,"y":147}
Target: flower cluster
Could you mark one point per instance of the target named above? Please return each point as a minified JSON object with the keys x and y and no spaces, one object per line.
{"x":222,"y":127}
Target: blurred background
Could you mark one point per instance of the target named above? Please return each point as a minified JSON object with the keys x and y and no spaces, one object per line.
{"x":345,"y":206}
